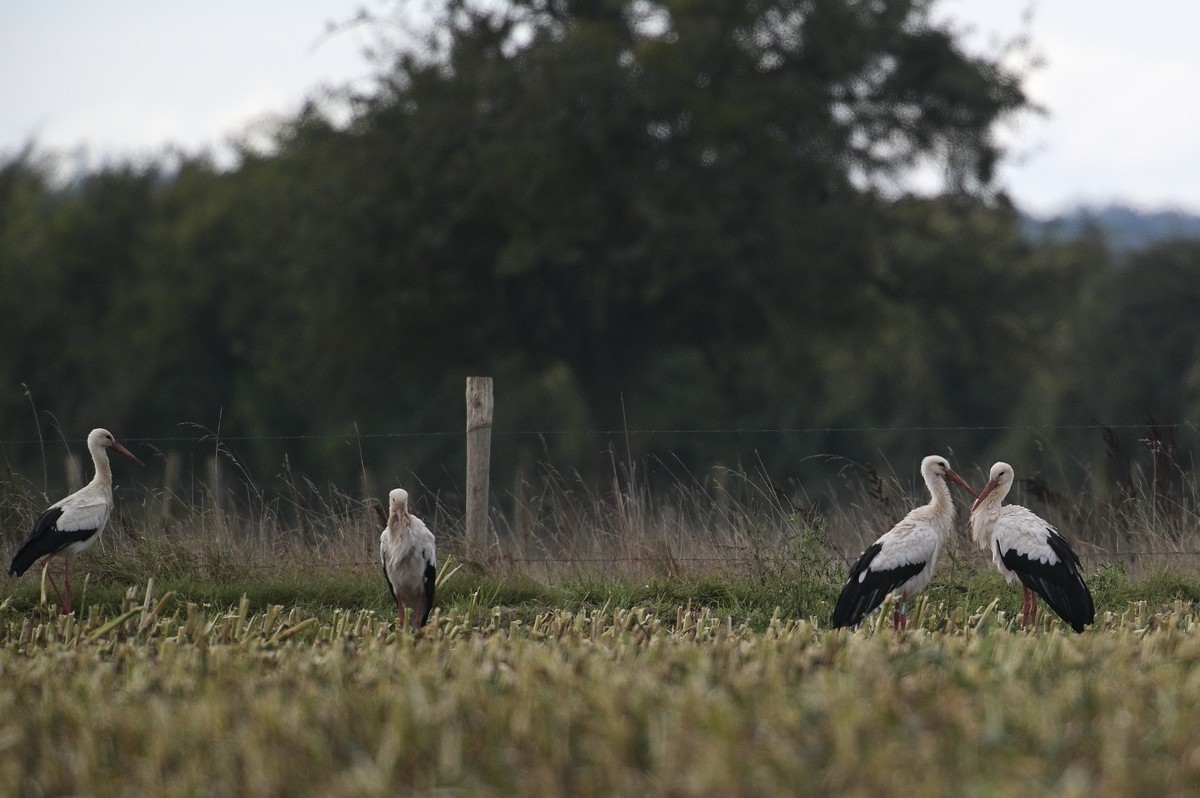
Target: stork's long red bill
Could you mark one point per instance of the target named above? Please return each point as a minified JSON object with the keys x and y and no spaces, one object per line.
{"x":954,"y":477}
{"x":118,"y":447}
{"x":983,"y":494}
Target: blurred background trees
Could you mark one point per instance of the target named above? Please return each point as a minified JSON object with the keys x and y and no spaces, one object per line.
{"x":638,"y":217}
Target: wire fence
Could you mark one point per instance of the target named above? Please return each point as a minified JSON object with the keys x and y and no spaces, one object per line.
{"x":217,"y":437}
{"x":1187,"y":507}
{"x":797,"y":452}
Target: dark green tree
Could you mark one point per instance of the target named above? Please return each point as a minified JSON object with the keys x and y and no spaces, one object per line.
{"x":1135,"y":350}
{"x":628,"y":178}
{"x":68,"y":264}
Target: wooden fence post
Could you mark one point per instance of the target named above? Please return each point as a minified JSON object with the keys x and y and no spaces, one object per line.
{"x":479,"y":455}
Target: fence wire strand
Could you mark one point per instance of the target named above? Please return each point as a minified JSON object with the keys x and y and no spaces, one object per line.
{"x":213,"y":438}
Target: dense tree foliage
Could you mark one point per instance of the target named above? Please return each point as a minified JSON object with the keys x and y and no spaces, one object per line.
{"x":635,"y":216}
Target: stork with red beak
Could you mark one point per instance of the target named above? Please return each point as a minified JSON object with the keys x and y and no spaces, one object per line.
{"x":73,"y":524}
{"x":901,"y":561}
{"x":1026,"y":547}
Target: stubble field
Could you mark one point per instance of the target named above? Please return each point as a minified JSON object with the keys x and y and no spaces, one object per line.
{"x":158,"y":697}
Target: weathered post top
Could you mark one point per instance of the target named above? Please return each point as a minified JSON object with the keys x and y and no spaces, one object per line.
{"x":479,"y":403}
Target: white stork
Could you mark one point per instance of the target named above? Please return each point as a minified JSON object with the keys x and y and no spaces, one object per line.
{"x":73,"y":524}
{"x":901,"y":561}
{"x":1025,"y":547}
{"x":408,"y":554}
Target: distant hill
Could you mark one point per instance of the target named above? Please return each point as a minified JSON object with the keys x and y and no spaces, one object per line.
{"x":1124,"y":227}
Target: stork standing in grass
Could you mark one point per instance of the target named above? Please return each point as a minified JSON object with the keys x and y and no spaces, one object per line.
{"x":902,"y":560}
{"x":1026,"y":547}
{"x":409,"y":557}
{"x":73,"y":524}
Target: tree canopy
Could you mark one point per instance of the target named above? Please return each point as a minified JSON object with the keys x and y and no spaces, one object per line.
{"x":634,"y":215}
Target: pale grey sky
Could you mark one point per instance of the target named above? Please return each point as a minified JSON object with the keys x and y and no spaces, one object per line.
{"x":1119,"y":84}
{"x":129,"y":77}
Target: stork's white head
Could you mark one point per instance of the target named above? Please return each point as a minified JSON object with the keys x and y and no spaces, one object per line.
{"x":397,"y":504}
{"x":1000,"y":479}
{"x":935,"y":466}
{"x":100,"y":438}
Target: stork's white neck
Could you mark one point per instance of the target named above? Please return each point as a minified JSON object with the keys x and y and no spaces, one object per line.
{"x":939,"y":492}
{"x":398,"y":522}
{"x":103,"y":477}
{"x":991,"y":503}
{"x":983,"y":517}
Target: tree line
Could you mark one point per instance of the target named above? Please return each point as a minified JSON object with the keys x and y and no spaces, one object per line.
{"x":636,"y":216}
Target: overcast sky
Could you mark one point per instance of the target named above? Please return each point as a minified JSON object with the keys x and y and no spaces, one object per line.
{"x":129,"y":77}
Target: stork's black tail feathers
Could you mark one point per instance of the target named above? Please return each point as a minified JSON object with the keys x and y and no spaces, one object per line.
{"x":866,"y":588}
{"x":1059,"y":584}
{"x":26,"y":556}
{"x":45,"y":539}
{"x":1070,"y":600}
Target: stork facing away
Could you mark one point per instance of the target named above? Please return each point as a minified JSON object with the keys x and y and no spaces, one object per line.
{"x":408,"y":554}
{"x":73,"y":524}
{"x":901,"y":561}
{"x":1028,"y":548}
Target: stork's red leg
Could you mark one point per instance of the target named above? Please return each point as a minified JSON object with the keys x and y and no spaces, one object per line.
{"x":50,"y":579}
{"x":67,"y":577}
{"x":399,"y":614}
{"x":900,"y":614}
{"x":1028,"y":608}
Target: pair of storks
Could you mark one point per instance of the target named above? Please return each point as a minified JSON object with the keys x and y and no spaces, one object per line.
{"x":1024,"y":547}
{"x":407,"y":550}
